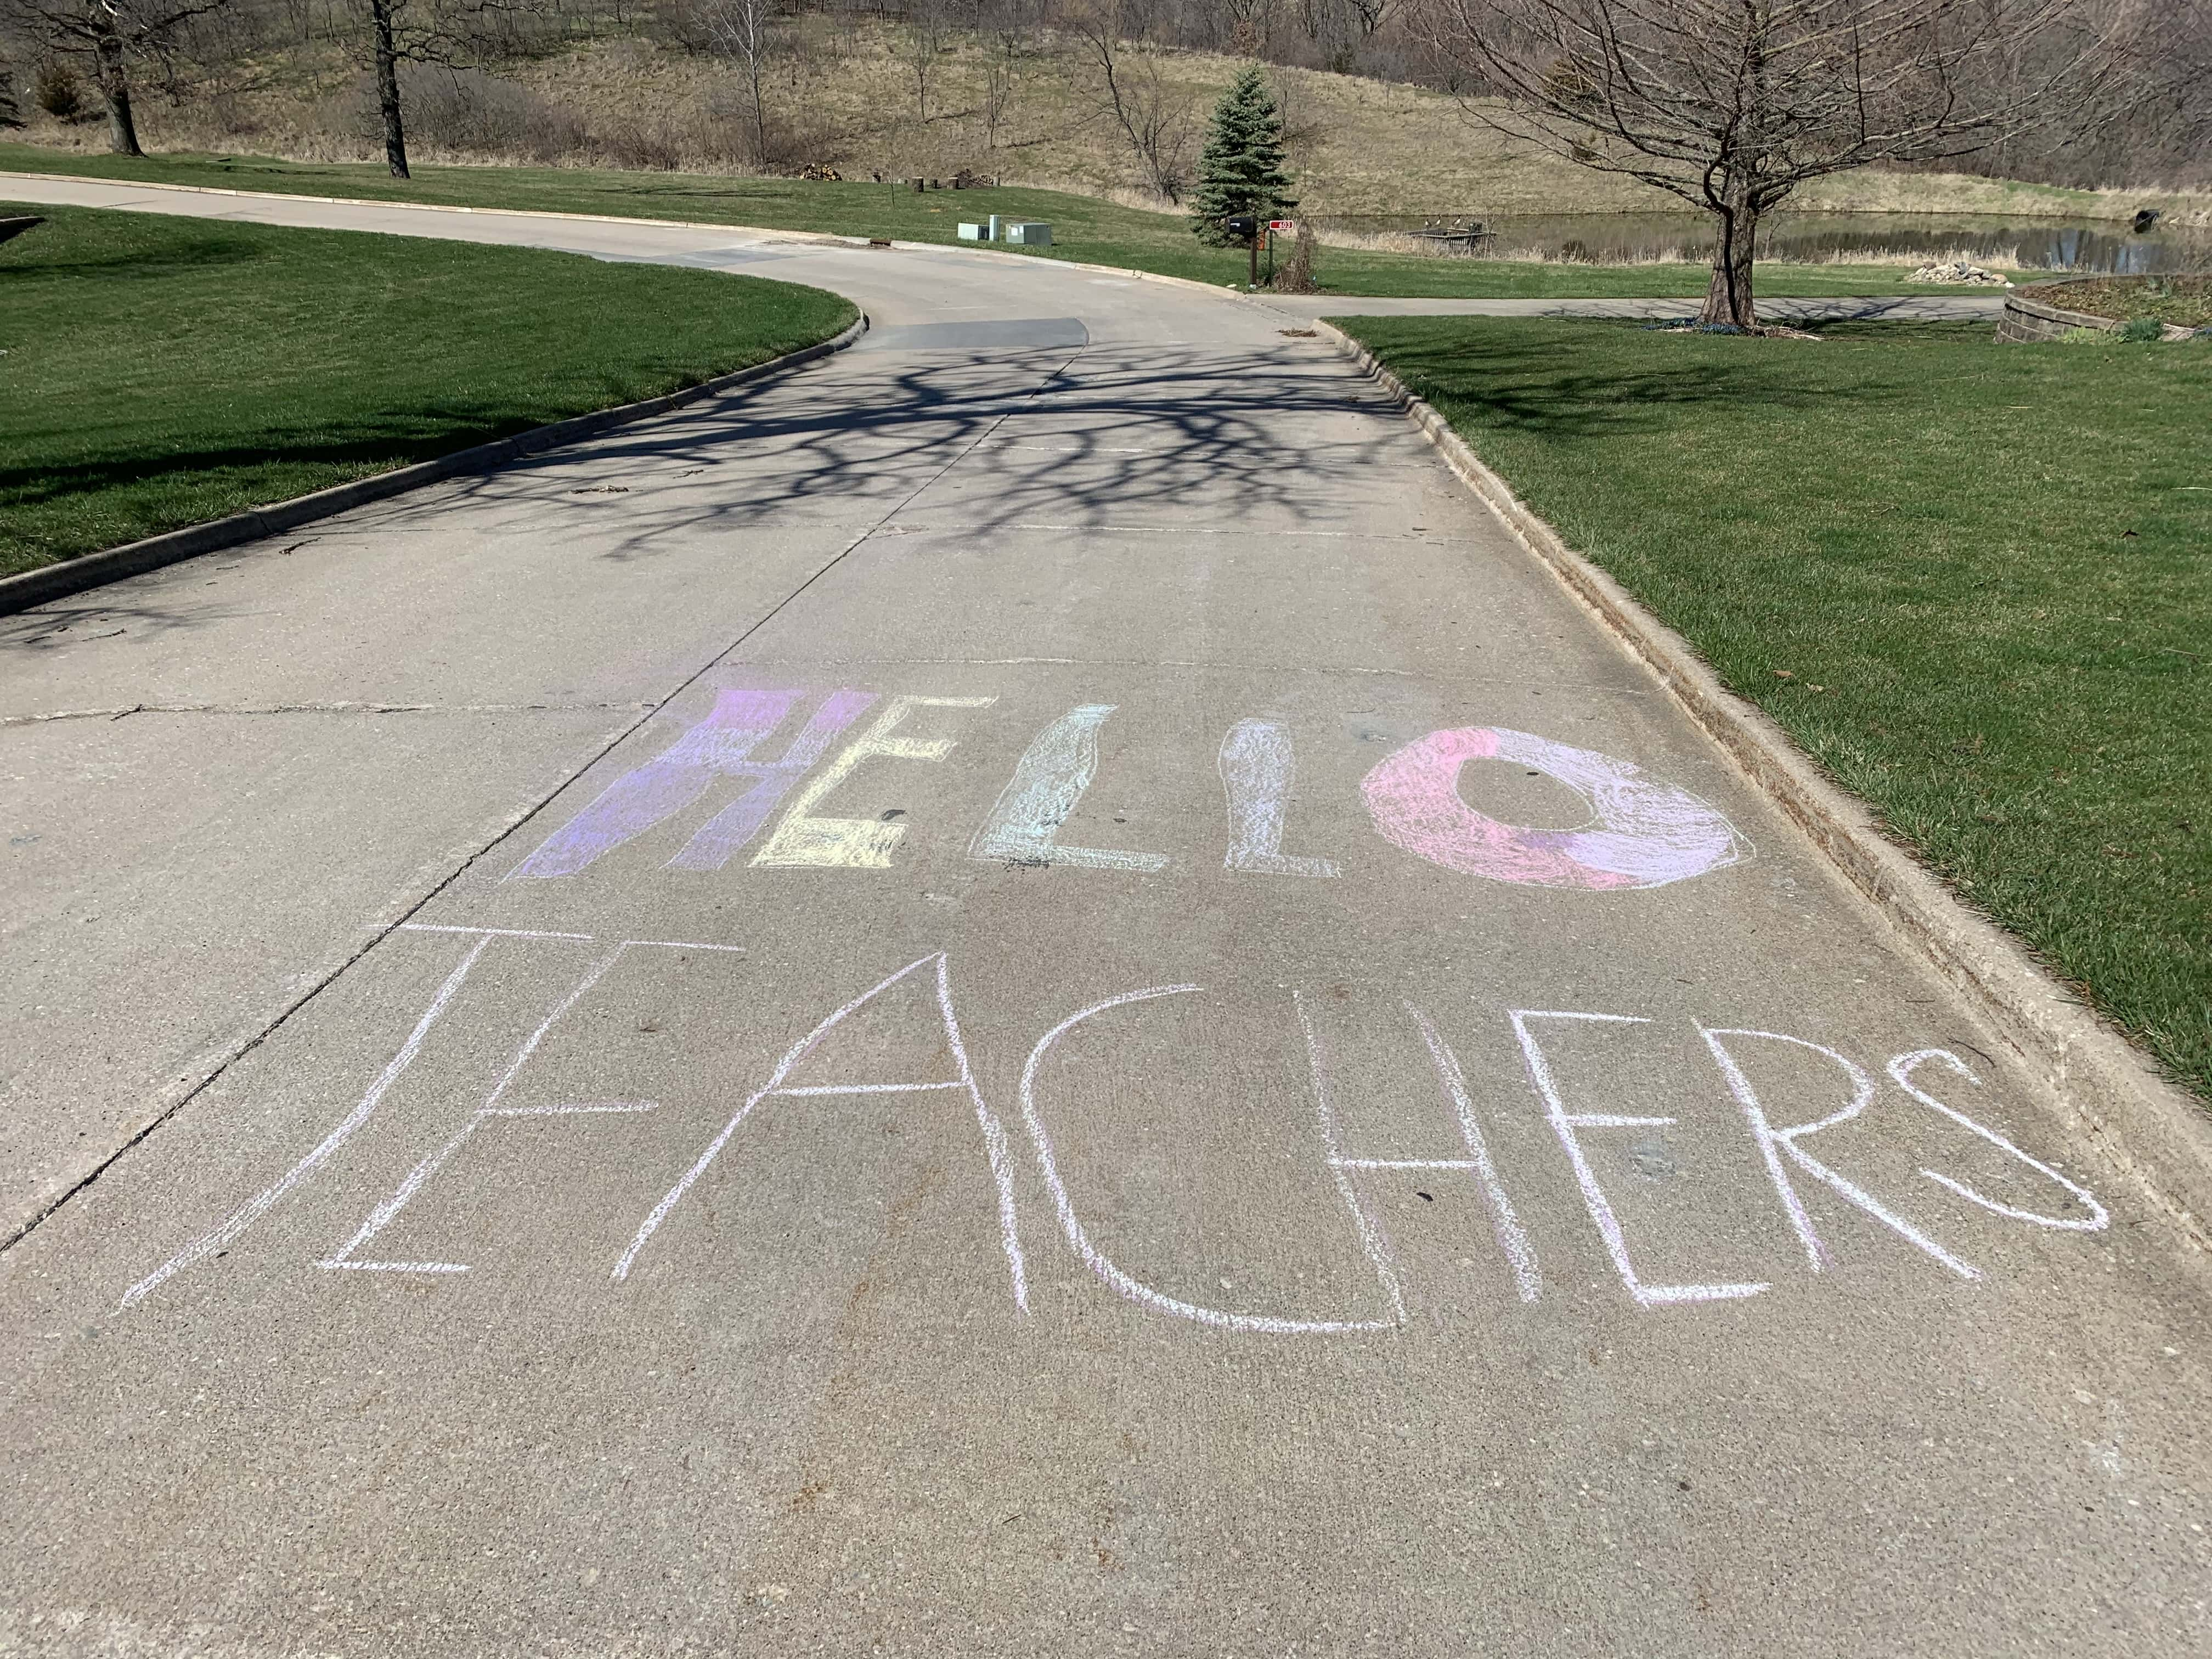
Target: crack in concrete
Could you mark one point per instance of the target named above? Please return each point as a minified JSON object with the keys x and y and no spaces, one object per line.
{"x":378,"y":934}
{"x":1546,"y":683}
{"x":1424,"y":538}
{"x":125,"y":710}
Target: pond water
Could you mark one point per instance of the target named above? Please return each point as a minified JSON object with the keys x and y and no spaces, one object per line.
{"x":2102,"y":247}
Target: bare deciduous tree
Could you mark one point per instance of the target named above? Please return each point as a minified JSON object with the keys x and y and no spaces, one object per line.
{"x":385,"y":51}
{"x":443,"y":31}
{"x":1152,"y":116}
{"x":747,"y":32}
{"x":111,"y":35}
{"x":1336,"y":28}
{"x":1251,"y":25}
{"x":924,"y":33}
{"x":1730,"y":105}
{"x":1009,"y":30}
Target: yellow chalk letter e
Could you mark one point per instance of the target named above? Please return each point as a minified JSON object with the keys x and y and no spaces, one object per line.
{"x":857,"y":843}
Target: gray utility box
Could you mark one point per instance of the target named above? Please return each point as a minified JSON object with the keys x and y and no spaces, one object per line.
{"x":1029,"y":232}
{"x":969,"y":233}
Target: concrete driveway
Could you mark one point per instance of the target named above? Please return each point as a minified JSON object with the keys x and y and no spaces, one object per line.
{"x":1025,"y":993}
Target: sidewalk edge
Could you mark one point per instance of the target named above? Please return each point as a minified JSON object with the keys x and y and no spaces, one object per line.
{"x":2145,"y":1126}
{"x":828,"y":238}
{"x":31,"y":589}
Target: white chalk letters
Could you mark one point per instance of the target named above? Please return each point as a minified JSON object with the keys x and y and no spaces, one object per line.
{"x":1509,"y":1193}
{"x":1566,"y":1125}
{"x":1257,"y":769}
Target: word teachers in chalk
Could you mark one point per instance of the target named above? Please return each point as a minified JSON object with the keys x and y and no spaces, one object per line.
{"x":1333,"y":1137}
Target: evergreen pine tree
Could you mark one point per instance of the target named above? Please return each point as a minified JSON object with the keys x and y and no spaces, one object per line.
{"x":1242,"y":170}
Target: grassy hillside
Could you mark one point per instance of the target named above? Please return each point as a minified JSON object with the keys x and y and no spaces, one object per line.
{"x":849,"y":98}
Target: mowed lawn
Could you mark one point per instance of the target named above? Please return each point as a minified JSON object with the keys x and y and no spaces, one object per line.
{"x":1973,"y":581}
{"x":161,"y":372}
{"x":1084,"y":228}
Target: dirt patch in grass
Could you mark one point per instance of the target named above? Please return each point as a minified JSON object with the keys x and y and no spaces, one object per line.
{"x":2184,"y":302}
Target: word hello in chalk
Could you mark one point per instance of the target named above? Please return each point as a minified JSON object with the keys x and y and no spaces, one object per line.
{"x":1644,"y":833}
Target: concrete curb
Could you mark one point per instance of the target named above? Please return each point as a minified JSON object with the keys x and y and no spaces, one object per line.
{"x":828,"y":237}
{"x":54,"y":581}
{"x":2154,"y":1133}
{"x":437,"y":207}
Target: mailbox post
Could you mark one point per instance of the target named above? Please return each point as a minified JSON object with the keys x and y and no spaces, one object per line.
{"x":1246,"y":228}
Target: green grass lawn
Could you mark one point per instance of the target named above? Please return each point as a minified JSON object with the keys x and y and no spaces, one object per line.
{"x":1973,"y":581}
{"x":161,"y":372}
{"x":1084,"y":228}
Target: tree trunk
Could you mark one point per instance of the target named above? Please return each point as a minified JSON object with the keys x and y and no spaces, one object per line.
{"x":1728,"y":298}
{"x":115,"y":92}
{"x":387,"y":88}
{"x":760,"y":116}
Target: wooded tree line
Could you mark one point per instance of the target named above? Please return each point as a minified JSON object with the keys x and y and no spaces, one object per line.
{"x":2119,"y":90}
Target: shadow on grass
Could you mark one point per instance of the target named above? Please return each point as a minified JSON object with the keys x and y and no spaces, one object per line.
{"x":1498,"y":378}
{"x":427,"y":434}
{"x":438,"y":433}
{"x":133,"y":263}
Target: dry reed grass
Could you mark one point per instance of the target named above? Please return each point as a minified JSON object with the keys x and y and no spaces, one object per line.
{"x":1359,"y":146}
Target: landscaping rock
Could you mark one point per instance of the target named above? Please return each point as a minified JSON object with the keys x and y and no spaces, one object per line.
{"x":1958,"y":270}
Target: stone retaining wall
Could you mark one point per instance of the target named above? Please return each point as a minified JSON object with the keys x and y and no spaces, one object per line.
{"x":2030,"y":322}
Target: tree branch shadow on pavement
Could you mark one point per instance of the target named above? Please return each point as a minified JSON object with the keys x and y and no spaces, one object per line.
{"x":1138,"y":429}
{"x":59,"y":624}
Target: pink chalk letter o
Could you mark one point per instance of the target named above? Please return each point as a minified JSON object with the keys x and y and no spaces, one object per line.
{"x":1646,"y":834}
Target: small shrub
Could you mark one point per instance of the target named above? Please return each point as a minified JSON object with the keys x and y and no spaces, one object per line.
{"x":59,"y":92}
{"x":723,"y":130}
{"x":2137,"y":330}
{"x":468,"y":112}
{"x":1297,"y":275}
{"x":636,"y":148}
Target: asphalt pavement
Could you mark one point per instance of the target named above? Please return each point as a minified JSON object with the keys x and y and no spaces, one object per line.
{"x":1024,"y":993}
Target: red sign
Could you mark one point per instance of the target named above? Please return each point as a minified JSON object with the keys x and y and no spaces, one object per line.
{"x":1283,"y":224}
